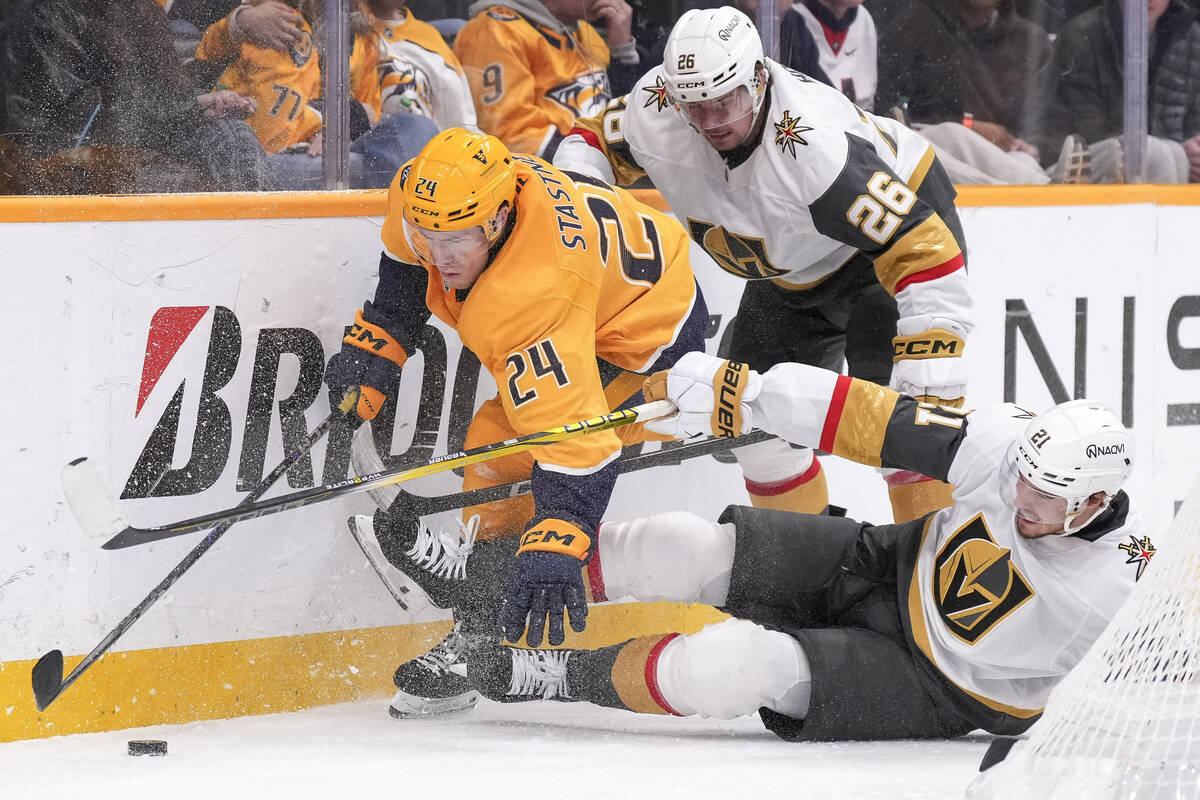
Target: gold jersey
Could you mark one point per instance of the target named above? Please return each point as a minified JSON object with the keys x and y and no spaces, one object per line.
{"x":285,"y":82}
{"x":586,"y":272}
{"x":529,"y":80}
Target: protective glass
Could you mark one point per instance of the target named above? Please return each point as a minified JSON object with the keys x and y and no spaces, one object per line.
{"x":706,"y":115}
{"x":448,"y":251}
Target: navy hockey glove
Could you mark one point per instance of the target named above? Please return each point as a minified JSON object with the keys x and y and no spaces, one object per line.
{"x":547,"y":578}
{"x":370,"y":358}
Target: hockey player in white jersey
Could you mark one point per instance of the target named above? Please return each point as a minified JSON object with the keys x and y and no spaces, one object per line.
{"x":827,"y":211}
{"x":965,"y":618}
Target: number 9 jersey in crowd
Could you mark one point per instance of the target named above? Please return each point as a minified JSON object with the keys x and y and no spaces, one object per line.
{"x":585,"y":280}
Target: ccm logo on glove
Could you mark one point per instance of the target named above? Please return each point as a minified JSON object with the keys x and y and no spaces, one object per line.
{"x":730,"y":385}
{"x":936,"y":343}
{"x":556,"y":536}
{"x":373,"y":338}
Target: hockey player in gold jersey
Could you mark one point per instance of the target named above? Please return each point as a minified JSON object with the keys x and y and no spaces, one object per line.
{"x":567,"y":290}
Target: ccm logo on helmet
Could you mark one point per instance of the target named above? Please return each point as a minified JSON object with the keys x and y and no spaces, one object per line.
{"x":1097,"y":450}
{"x":727,"y":31}
{"x":689,"y":84}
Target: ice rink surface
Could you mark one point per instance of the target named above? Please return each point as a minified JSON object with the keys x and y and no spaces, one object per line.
{"x":527,"y":750}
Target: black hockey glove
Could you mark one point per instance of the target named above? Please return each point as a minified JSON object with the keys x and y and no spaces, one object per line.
{"x":370,"y":358}
{"x":547,"y":578}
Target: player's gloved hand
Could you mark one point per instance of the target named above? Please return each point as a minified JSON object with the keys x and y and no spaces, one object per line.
{"x":928,"y":360}
{"x":547,"y":578}
{"x":370,"y":358}
{"x":713,"y":395}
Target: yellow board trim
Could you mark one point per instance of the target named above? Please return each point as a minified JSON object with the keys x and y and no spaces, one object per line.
{"x":173,"y":685}
{"x":234,"y":205}
{"x":373,"y":202}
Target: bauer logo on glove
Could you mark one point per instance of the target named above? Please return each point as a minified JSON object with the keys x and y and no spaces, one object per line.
{"x":714,"y":396}
{"x":728,"y":421}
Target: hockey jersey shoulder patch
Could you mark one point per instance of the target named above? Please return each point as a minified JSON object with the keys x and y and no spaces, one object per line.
{"x":1140,"y":551}
{"x":788,"y":133}
{"x":657,"y":95}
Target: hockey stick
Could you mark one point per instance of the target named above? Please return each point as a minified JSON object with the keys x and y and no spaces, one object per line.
{"x":129,"y":535}
{"x":422,"y":505}
{"x":48,"y":681}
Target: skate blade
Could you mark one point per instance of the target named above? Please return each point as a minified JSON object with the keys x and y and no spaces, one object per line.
{"x":413,"y":707}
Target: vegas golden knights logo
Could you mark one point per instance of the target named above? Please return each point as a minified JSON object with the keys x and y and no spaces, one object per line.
{"x":744,"y":256}
{"x":976,"y":584}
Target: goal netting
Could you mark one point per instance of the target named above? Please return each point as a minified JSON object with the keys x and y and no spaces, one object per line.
{"x":1125,"y":723}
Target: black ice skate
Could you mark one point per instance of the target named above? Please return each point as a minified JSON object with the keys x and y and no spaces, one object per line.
{"x":404,"y":548}
{"x":513,"y":675}
{"x":435,"y":683}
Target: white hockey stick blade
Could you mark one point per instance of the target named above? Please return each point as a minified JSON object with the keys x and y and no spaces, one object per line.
{"x":83,"y":486}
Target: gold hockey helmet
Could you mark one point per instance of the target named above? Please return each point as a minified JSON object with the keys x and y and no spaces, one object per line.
{"x":457,"y":194}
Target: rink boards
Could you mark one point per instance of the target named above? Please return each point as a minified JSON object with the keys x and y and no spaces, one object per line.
{"x":179,"y":341}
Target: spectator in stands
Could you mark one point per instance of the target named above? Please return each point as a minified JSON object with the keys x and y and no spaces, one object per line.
{"x":268,"y":50}
{"x":1087,"y":90}
{"x":972,"y":63}
{"x":536,"y":65}
{"x":96,"y":102}
{"x":419,"y":73}
{"x":836,"y":39}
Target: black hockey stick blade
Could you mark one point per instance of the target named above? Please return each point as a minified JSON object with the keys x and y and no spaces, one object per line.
{"x":997,"y":751}
{"x":47,"y":678}
{"x":134,"y":536}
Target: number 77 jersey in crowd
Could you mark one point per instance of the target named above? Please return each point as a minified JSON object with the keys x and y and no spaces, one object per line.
{"x":586,"y":272}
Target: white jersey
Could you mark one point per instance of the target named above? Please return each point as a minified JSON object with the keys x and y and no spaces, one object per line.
{"x":419,"y":74}
{"x":851,"y":61}
{"x":827,"y":182}
{"x":1003,"y":617}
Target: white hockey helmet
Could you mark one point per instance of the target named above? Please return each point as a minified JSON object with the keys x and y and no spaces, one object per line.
{"x":1071,"y":452}
{"x":709,"y":54}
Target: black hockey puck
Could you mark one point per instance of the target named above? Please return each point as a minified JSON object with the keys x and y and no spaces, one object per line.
{"x":147,"y":747}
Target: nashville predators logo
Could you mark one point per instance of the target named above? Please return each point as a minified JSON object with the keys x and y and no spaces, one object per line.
{"x":787,"y":133}
{"x":1140,"y":552}
{"x":658,"y":94}
{"x":976,"y":585}
{"x":301,"y":49}
{"x":744,"y":256}
{"x":585,"y":96}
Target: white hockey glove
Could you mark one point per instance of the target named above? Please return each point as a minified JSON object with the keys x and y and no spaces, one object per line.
{"x":713,"y":395}
{"x":574,"y":153}
{"x":928,"y":362}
